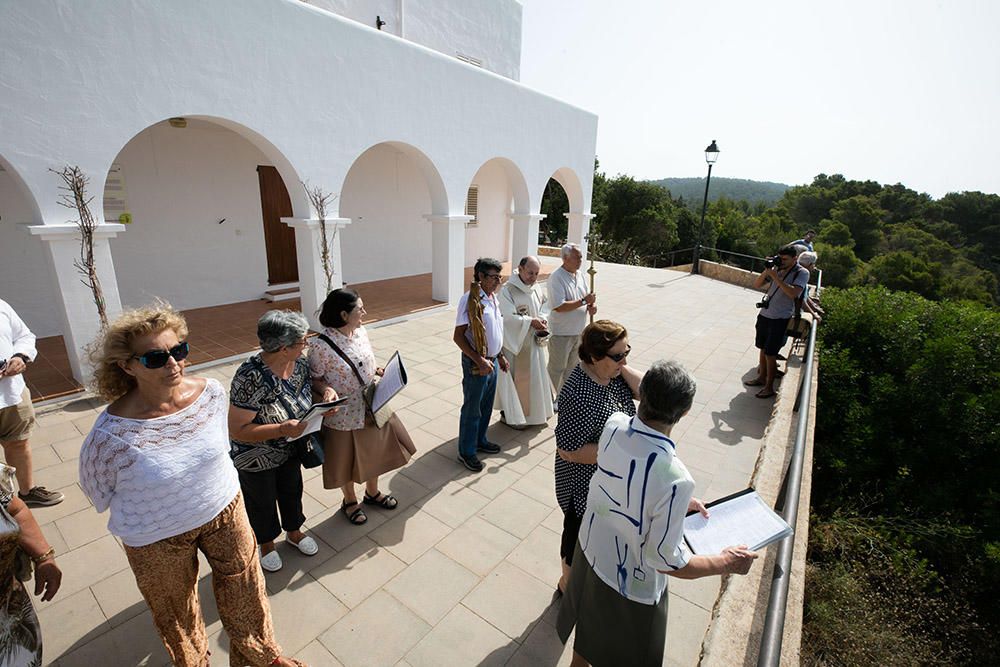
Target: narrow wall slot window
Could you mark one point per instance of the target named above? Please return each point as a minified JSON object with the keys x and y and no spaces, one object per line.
{"x":472,"y":206}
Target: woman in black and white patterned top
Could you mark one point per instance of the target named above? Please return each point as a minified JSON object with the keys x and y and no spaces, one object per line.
{"x":270,"y":393}
{"x":600,"y":385}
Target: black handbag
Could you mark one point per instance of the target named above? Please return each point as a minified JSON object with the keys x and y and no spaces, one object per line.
{"x":309,"y":450}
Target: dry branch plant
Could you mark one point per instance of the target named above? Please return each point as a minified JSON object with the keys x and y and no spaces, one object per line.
{"x":75,"y":197}
{"x":321,"y":200}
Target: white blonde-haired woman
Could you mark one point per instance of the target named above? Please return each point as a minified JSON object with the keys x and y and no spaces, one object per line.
{"x":158,"y":458}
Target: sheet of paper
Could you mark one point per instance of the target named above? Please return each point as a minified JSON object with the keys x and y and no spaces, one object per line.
{"x":392,"y":382}
{"x":743,"y":519}
{"x":314,"y":416}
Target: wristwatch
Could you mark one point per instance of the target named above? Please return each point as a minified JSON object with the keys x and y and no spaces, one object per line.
{"x":23,"y":356}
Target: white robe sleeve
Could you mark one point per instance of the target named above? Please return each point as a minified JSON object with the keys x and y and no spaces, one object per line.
{"x":515,"y":327}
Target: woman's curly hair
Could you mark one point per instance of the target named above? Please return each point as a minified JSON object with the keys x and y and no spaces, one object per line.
{"x":114,"y":344}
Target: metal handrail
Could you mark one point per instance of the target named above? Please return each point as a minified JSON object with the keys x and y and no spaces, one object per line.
{"x":774,"y":621}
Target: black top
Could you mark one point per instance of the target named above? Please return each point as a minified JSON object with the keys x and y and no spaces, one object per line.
{"x":584,"y":407}
{"x":274,"y":400}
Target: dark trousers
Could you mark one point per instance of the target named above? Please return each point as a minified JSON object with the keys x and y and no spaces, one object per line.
{"x":261,"y":490}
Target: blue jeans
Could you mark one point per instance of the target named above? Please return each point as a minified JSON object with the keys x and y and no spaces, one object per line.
{"x":477,"y":407}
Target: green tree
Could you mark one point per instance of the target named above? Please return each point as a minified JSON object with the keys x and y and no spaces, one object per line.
{"x":555,"y":204}
{"x":863,"y":217}
{"x":835,"y":233}
{"x":839,"y":264}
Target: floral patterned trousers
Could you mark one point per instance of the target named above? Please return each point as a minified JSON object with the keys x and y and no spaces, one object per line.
{"x":167,"y":575}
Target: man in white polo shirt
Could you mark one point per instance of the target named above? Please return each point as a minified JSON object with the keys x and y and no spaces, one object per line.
{"x":17,"y":416}
{"x":571,"y":302}
{"x":479,"y":334}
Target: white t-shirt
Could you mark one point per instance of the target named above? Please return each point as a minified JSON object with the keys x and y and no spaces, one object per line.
{"x":15,"y":337}
{"x":492,"y":321}
{"x":164,"y":476}
{"x":634,"y":524}
{"x":565,"y":286}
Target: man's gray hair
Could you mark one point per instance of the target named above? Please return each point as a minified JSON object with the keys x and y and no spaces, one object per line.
{"x":281,"y":328}
{"x":666,"y":393}
{"x":565,"y":251}
{"x":807,"y":258}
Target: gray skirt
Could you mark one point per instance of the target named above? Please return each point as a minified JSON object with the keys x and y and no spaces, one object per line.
{"x":610,"y":628}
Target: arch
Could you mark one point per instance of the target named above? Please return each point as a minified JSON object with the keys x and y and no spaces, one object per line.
{"x":301,"y":208}
{"x":501,"y":190}
{"x":25,"y":272}
{"x":388,"y":193}
{"x":567,"y":178}
{"x":33,"y":213}
{"x":209,"y":196}
{"x":432,"y":177}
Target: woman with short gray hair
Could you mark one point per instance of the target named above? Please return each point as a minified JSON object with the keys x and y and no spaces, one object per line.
{"x":632,"y":536}
{"x":270,"y":392}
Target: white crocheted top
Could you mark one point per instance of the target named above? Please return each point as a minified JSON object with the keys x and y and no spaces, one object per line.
{"x":164,"y":476}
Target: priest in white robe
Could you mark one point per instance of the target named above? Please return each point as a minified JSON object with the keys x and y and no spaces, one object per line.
{"x":525,"y":392}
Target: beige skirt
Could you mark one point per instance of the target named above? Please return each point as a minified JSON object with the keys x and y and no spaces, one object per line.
{"x":357,"y":456}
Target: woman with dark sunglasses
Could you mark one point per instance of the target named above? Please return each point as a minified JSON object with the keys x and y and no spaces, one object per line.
{"x":158,"y":458}
{"x":599,"y":386}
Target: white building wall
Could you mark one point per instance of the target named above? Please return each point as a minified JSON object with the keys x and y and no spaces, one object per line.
{"x":487,"y":30}
{"x":26,"y":282}
{"x":179,"y":183}
{"x":386,"y":197}
{"x":490,"y":237}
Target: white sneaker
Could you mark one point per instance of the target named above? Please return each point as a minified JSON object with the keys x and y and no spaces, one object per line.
{"x":271,"y":562}
{"x":306,"y":545}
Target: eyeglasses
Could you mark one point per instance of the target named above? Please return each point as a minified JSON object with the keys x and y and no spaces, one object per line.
{"x":620,"y":356}
{"x":158,"y":358}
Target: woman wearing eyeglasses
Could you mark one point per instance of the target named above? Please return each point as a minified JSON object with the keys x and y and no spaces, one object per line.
{"x":158,"y":458}
{"x":270,"y":392}
{"x":599,"y":386}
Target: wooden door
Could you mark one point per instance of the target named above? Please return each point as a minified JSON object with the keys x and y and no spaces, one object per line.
{"x":279,"y":238}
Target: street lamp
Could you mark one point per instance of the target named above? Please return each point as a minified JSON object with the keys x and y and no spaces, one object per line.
{"x":711,"y":155}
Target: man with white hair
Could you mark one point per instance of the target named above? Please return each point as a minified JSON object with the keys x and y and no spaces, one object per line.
{"x":807,"y":260}
{"x":524,"y":393}
{"x":571,"y":301}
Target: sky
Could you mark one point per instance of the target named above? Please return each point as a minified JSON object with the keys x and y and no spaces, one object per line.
{"x":904,"y":91}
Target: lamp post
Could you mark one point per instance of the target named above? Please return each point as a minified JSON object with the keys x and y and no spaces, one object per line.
{"x":711,"y":155}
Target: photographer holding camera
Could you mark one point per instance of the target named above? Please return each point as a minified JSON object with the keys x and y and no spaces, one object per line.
{"x":787,"y":281}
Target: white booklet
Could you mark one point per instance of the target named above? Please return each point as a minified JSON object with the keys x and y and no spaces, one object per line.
{"x":314,"y":415}
{"x":392,"y":382}
{"x":742,"y":518}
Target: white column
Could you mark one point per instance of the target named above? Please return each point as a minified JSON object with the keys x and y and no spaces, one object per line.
{"x":579,"y":227}
{"x":309,"y":257}
{"x":448,"y":256}
{"x":81,"y":323}
{"x":524,"y":239}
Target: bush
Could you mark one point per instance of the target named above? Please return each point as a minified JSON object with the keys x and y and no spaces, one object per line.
{"x":907,"y":436}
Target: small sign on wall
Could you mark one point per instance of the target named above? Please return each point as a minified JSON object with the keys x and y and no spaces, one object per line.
{"x":115,"y":204}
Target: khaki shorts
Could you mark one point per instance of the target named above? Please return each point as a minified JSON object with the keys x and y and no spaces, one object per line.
{"x":17,"y":421}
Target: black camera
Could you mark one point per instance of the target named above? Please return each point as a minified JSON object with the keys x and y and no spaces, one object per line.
{"x":763,"y":303}
{"x":772,"y":262}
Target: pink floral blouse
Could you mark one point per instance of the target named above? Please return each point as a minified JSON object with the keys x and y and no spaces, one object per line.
{"x":326,"y":364}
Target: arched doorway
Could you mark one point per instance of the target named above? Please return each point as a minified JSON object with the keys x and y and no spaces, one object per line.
{"x":202,"y":199}
{"x":388,"y":194}
{"x":497,"y":191}
{"x":27,"y":285}
{"x":563,"y":196}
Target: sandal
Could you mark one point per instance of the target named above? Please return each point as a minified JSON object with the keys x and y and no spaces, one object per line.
{"x":756,"y":382}
{"x":358,"y":516}
{"x":764,"y":394}
{"x":385,"y":501}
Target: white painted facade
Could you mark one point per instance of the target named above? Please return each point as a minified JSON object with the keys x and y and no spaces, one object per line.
{"x":397,"y":129}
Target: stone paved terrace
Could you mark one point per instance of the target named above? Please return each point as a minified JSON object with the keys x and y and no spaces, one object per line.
{"x":462,"y":573}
